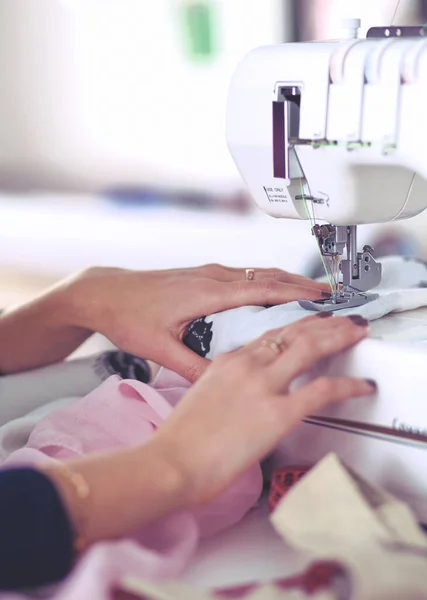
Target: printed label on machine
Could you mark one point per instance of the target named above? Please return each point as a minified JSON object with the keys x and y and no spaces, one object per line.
{"x":275,"y":194}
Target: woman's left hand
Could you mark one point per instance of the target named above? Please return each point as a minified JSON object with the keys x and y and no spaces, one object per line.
{"x":237,"y":413}
{"x":146,"y":313}
{"x":232,"y":418}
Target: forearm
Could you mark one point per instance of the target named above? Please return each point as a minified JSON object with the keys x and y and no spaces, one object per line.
{"x":41,"y":512}
{"x":42,"y":331}
{"x":127,"y":490}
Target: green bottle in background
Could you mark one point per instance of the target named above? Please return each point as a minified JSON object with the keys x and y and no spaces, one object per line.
{"x":198,"y":23}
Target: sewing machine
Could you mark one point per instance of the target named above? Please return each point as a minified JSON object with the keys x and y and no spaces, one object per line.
{"x":332,"y":132}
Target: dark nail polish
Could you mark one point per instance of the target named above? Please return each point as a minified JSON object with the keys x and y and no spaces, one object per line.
{"x":358,"y":320}
{"x":326,"y":294}
{"x":325,"y":313}
{"x":372,"y":383}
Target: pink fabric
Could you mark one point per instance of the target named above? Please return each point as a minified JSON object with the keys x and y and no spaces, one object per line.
{"x":171,"y":385}
{"x":123,"y":413}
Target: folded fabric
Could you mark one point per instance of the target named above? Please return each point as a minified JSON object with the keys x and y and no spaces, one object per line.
{"x":22,"y":393}
{"x":402,"y":289}
{"x":357,"y":543}
{"x":15,"y":434}
{"x":121,"y":413}
{"x":334,"y":514}
{"x":26,"y":398}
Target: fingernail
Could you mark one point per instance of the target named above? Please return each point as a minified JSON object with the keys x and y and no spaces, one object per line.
{"x":326,"y":294}
{"x":325,"y":313}
{"x":372,"y":383}
{"x":358,"y":320}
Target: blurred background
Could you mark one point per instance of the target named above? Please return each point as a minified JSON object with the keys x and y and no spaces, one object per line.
{"x":112,"y":121}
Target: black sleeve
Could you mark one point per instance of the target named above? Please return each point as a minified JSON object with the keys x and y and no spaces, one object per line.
{"x":36,"y":537}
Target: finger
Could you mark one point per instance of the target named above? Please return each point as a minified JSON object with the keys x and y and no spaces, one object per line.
{"x":216,"y":272}
{"x":211,"y":271}
{"x":326,"y":390}
{"x":225,"y":274}
{"x":307,"y":282}
{"x":267,"y":350}
{"x":314,"y":345}
{"x":297,"y":279}
{"x":288,"y":333}
{"x":290,"y":409}
{"x":182,"y":360}
{"x":260,"y":293}
{"x":274,"y":343}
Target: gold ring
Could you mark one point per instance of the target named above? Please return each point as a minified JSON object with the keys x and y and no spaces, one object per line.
{"x":275,"y":345}
{"x":249,"y":274}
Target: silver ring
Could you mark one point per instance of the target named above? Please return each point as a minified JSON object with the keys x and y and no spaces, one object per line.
{"x":250,"y":274}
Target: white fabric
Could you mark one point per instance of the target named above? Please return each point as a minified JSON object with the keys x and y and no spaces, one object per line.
{"x":26,"y":398}
{"x":399,"y":291}
{"x":15,"y":434}
{"x":25,"y":392}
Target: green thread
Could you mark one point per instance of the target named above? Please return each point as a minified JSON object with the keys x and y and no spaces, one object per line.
{"x":351,"y":145}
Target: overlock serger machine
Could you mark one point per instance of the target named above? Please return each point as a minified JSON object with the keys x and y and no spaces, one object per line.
{"x":335,"y":132}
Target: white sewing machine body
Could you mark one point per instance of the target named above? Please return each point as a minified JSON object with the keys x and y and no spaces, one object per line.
{"x":335,"y":131}
{"x":355,"y":144}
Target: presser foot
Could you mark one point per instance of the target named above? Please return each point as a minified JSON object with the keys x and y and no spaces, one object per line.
{"x":340,"y":302}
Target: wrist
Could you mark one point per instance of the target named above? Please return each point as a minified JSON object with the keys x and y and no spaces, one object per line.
{"x":182,"y":467}
{"x":123,"y":491}
{"x":83,"y":298}
{"x":49,"y":325}
{"x":90,"y":294}
{"x":172,"y":481}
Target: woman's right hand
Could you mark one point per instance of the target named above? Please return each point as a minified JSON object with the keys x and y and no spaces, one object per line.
{"x":242,"y":406}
